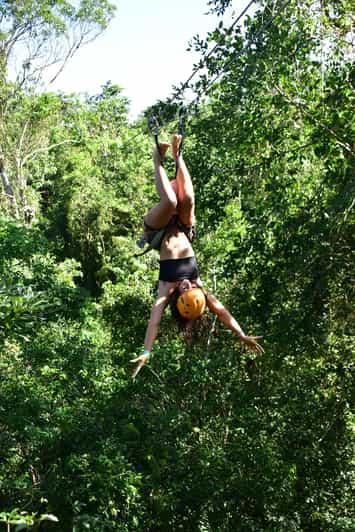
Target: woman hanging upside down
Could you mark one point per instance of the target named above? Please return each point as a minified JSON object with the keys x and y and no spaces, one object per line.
{"x":179,"y":282}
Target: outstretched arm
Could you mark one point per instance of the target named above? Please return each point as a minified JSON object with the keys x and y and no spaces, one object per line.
{"x":153,"y":326}
{"x":227,"y":319}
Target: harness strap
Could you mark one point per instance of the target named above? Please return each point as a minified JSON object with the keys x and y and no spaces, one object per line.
{"x":182,"y":125}
{"x":181,"y":130}
{"x":153,"y":243}
{"x":154,"y":127}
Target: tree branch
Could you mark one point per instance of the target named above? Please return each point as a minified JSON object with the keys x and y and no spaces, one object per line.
{"x":46,"y":149}
{"x":302,"y":106}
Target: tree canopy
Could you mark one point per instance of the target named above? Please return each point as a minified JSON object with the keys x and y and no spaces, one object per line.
{"x":209,"y":437}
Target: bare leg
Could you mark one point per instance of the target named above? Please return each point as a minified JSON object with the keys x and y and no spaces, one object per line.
{"x":185,"y":189}
{"x":161,"y":213}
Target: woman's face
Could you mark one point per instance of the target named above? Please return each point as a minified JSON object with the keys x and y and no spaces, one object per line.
{"x":185,"y":284}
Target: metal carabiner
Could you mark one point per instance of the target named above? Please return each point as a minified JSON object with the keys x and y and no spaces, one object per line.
{"x":153,"y":125}
{"x":182,"y":120}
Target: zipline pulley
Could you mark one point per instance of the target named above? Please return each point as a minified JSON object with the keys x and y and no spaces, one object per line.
{"x":153,"y":125}
{"x":182,"y":120}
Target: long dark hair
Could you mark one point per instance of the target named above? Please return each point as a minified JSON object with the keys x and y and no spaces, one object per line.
{"x":193,"y":331}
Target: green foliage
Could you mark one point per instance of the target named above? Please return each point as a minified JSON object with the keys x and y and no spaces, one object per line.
{"x":95,"y":193}
{"x":208,"y":437}
{"x":24,"y":520}
{"x":53,"y":32}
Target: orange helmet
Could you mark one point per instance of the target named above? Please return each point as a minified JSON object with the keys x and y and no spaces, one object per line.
{"x":191,"y":303}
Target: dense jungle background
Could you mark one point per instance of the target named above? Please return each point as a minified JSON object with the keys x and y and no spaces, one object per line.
{"x":209,"y":437}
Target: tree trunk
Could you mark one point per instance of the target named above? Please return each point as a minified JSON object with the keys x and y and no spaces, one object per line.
{"x":8,"y":190}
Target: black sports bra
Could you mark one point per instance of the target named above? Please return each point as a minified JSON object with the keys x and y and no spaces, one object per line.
{"x":172,"y":270}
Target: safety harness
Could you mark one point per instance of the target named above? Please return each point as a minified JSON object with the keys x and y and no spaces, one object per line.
{"x":153,"y":238}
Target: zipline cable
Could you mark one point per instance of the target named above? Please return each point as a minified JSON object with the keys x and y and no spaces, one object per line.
{"x":194,"y":103}
{"x":203,"y":62}
{"x":264,"y":26}
{"x":251,"y":41}
{"x":185,"y":85}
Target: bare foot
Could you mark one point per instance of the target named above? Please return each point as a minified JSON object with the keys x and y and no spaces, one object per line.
{"x":163,"y":147}
{"x":175,"y":145}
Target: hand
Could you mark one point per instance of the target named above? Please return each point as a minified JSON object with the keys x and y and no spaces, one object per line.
{"x":141,"y":360}
{"x":251,"y":342}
